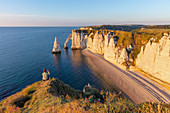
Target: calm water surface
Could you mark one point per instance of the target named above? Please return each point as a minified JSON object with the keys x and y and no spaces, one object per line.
{"x":25,"y":51}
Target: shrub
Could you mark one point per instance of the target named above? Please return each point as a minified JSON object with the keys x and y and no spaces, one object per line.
{"x":19,"y":102}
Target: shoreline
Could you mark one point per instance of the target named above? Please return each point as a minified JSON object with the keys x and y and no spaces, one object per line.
{"x":135,"y":85}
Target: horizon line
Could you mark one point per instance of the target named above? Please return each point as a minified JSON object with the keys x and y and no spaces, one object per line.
{"x":82,"y":25}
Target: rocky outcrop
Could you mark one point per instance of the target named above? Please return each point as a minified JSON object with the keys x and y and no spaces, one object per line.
{"x":154,"y":58}
{"x":96,"y":43}
{"x":56,"y":47}
{"x":29,"y":100}
{"x":112,"y":53}
{"x":106,"y":44}
{"x":78,"y":40}
{"x":56,"y":97}
{"x":66,"y":42}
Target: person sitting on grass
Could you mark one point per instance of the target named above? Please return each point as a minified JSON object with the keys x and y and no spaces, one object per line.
{"x":45,"y":75}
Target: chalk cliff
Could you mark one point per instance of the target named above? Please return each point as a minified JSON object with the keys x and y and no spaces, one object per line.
{"x":78,"y":40}
{"x":105,"y":44}
{"x":113,"y":53}
{"x":154,"y":58}
{"x":96,"y":43}
{"x":56,"y":47}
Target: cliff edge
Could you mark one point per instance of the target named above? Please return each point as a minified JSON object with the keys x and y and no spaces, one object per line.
{"x":55,"y":96}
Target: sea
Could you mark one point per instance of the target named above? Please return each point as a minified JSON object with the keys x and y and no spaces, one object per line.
{"x":26,"y":51}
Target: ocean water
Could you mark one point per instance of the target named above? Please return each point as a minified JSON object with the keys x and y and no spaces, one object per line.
{"x":25,"y":51}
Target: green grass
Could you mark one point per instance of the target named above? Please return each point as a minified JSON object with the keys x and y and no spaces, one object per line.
{"x":55,"y":96}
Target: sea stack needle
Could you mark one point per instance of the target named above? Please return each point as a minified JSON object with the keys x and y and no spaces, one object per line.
{"x":56,"y":47}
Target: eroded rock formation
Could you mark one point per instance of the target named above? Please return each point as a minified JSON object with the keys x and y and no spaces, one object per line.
{"x":154,"y":58}
{"x":78,"y":40}
{"x":106,"y":44}
{"x":56,"y":47}
{"x":112,"y":53}
{"x":96,"y":43}
{"x":66,"y":42}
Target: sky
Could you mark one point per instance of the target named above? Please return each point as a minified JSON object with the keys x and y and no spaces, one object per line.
{"x":83,"y":12}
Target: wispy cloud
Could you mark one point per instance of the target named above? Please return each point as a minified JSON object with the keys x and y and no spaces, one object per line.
{"x":22,"y":15}
{"x":32,"y":20}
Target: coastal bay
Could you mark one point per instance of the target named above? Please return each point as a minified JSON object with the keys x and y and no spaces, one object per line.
{"x":25,"y":51}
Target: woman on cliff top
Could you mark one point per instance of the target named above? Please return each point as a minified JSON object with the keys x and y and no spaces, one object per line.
{"x":45,"y":75}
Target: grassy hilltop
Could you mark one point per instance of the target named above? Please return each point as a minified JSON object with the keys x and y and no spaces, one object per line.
{"x":55,"y":96}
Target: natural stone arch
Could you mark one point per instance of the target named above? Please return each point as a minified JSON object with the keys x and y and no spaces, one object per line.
{"x":78,"y":40}
{"x":67,"y":40}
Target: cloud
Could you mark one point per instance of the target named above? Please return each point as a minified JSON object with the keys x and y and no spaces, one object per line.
{"x":21,"y":15}
{"x":25,"y":20}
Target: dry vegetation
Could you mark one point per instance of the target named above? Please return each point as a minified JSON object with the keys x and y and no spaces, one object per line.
{"x":55,"y":96}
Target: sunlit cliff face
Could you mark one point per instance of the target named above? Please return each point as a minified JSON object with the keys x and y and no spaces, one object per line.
{"x":105,"y":44}
{"x":155,"y":58}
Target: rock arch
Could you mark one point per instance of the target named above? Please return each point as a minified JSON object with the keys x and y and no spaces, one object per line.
{"x":67,"y":40}
{"x":78,"y":40}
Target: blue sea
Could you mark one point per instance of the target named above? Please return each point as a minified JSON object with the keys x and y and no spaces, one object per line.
{"x":25,"y":51}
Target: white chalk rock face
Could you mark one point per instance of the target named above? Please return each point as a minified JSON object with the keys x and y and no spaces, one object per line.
{"x":78,"y":40}
{"x":106,"y":45}
{"x":112,"y":53}
{"x":89,"y":41}
{"x":83,"y":40}
{"x":96,"y":44}
{"x":56,"y":47}
{"x":155,"y":58}
{"x":66,"y":42}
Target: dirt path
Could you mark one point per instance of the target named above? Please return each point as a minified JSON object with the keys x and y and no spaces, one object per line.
{"x":134,"y":84}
